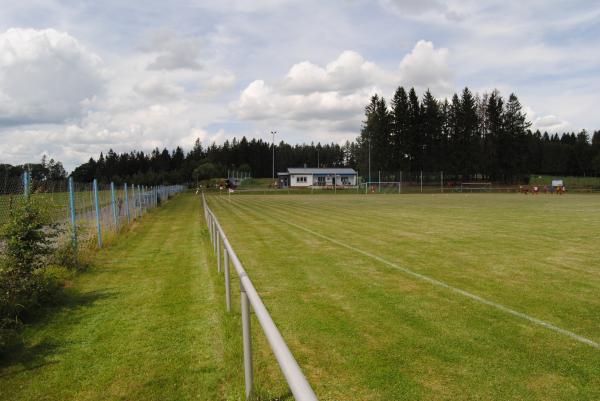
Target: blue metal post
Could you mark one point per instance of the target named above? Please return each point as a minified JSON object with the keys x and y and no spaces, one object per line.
{"x":72,"y":207}
{"x":127,"y":204}
{"x":140,"y":200}
{"x":114,"y":205}
{"x":135,"y":208}
{"x":26,"y":184}
{"x":97,"y":201}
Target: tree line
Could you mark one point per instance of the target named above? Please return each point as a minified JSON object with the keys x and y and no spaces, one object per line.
{"x":45,"y":170}
{"x":469,"y":136}
{"x":200,"y":163}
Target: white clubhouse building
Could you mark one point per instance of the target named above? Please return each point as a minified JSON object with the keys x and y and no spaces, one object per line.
{"x":317,"y":178}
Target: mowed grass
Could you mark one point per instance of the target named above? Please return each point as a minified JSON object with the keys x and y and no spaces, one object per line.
{"x":329,"y":271}
{"x":147,"y":323}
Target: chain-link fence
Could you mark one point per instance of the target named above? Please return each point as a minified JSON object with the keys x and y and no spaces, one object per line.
{"x":84,"y":210}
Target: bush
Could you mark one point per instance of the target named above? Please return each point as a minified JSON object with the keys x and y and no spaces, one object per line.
{"x":28,"y":237}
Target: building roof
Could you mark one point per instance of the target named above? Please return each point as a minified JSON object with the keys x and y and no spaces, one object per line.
{"x":321,"y":171}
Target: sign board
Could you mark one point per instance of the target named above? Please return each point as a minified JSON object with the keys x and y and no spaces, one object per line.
{"x":557,"y":183}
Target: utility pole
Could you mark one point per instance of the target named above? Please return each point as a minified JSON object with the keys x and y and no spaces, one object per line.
{"x":273,"y":133}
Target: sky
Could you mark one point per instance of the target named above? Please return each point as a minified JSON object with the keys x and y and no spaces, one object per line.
{"x":81,"y":77}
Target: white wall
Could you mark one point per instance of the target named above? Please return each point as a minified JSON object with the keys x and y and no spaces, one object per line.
{"x":309,"y":180}
{"x":294,"y":180}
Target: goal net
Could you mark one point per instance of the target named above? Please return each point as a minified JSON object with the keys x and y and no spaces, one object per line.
{"x":388,"y":187}
{"x":475,"y":187}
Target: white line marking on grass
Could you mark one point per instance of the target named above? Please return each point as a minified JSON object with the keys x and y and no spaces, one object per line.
{"x":442,"y":284}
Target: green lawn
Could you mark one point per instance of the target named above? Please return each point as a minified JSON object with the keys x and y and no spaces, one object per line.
{"x":366,"y":291}
{"x":363,"y":289}
{"x":147,"y":323}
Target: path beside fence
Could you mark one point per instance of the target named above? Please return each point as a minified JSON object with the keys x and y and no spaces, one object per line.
{"x":146,"y":324}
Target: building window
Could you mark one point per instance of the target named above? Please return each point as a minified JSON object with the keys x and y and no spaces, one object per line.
{"x":300,"y":179}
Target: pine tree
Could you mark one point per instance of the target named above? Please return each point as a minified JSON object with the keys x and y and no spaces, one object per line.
{"x":399,"y":128}
{"x":376,"y":135}
{"x":431,"y":132}
{"x":515,"y":128}
{"x":415,"y":140}
{"x":494,"y":144}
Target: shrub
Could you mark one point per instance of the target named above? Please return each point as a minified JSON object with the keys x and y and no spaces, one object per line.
{"x":28,"y":236}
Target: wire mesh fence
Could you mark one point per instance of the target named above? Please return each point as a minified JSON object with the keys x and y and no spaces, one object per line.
{"x":84,"y":210}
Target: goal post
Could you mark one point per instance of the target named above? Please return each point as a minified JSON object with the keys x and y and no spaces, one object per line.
{"x":384,"y":187}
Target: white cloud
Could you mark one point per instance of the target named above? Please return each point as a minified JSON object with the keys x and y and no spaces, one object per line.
{"x":45,"y":76}
{"x":262,"y":102}
{"x":549,"y":123}
{"x":350,"y":71}
{"x":332,"y":98}
{"x":174,"y":52}
{"x":220,"y":82}
{"x":158,"y":88}
{"x":312,"y":97}
{"x":423,"y":7}
{"x":426,"y":67}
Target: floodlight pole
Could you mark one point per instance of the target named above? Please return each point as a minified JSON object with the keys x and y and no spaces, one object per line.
{"x":369,"y":160}
{"x":273,"y":133}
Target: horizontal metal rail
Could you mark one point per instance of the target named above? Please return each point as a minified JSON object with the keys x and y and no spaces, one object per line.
{"x":298,"y":384}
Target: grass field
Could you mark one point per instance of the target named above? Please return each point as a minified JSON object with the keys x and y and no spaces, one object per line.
{"x":411,"y":297}
{"x":428,"y":297}
{"x":146,"y":323}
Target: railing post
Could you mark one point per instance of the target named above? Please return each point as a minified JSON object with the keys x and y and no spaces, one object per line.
{"x":114,"y":205}
{"x":72,"y":207}
{"x":126,"y":194}
{"x":97,"y":203}
{"x":227,"y":280}
{"x":247,"y":340}
{"x":218,"y":253}
{"x":214,"y":236}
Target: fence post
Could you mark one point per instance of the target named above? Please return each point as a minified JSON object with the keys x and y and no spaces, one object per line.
{"x":247,"y":340}
{"x":126,"y":194}
{"x":140,"y":200}
{"x":114,"y":205}
{"x":227,"y":281}
{"x":72,"y":207}
{"x":135,"y":203}
{"x":26,"y":184}
{"x":421,"y":181}
{"x":97,"y":203}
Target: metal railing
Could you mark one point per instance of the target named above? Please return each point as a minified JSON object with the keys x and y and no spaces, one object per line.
{"x":298,"y":384}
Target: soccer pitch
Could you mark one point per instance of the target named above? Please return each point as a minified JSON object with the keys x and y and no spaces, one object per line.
{"x":427,"y":297}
